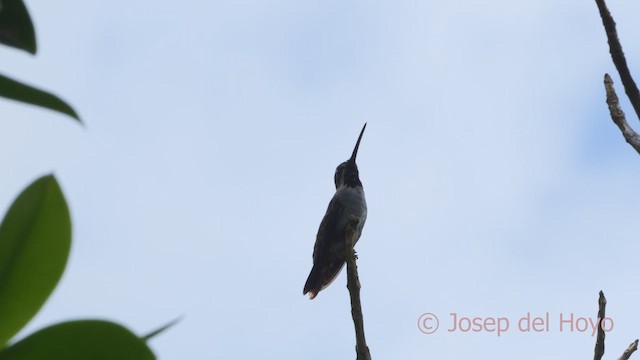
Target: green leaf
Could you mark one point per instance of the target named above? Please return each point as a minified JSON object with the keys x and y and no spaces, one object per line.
{"x":12,"y":89}
{"x":35,"y":237}
{"x":80,"y":340}
{"x":16,"y":28}
{"x":161,"y":329}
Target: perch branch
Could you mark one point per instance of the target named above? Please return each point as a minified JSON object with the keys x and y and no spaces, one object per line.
{"x":599,"y":350}
{"x":618,"y":116}
{"x":630,"y":350}
{"x":353,"y":284}
{"x":617,"y":55}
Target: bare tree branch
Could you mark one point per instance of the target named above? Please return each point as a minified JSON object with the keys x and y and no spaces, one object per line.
{"x":353,"y":284}
{"x":631,"y":89}
{"x":599,"y":350}
{"x":618,"y":116}
{"x":630,"y":350}
{"x":618,"y":57}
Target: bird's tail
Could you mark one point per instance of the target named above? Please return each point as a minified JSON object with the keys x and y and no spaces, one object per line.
{"x":321,"y":276}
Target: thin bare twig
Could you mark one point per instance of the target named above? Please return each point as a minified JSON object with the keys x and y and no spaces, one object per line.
{"x":630,"y":350}
{"x":599,"y":350}
{"x":618,"y":57}
{"x":353,"y":284}
{"x":618,"y":116}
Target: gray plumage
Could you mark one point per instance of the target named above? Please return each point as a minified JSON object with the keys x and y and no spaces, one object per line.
{"x":329,"y":251}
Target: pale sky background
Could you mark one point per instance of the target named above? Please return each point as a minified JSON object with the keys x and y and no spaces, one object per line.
{"x":497,"y":184}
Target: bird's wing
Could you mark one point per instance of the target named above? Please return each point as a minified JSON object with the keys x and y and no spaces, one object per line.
{"x":329,"y":232}
{"x":327,"y":260}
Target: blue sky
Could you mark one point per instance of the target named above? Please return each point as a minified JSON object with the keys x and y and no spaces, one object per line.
{"x":497,"y":184}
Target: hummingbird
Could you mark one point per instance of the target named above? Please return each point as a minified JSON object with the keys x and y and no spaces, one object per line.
{"x":330,"y":249}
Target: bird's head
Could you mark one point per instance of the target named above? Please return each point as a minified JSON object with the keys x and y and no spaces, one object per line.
{"x":347,"y":172}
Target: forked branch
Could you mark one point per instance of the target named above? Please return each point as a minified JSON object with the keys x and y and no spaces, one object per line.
{"x":630,"y":87}
{"x":599,"y":350}
{"x":617,"y":55}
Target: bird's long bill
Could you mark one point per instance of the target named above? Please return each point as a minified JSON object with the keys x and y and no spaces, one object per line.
{"x":355,"y":150}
